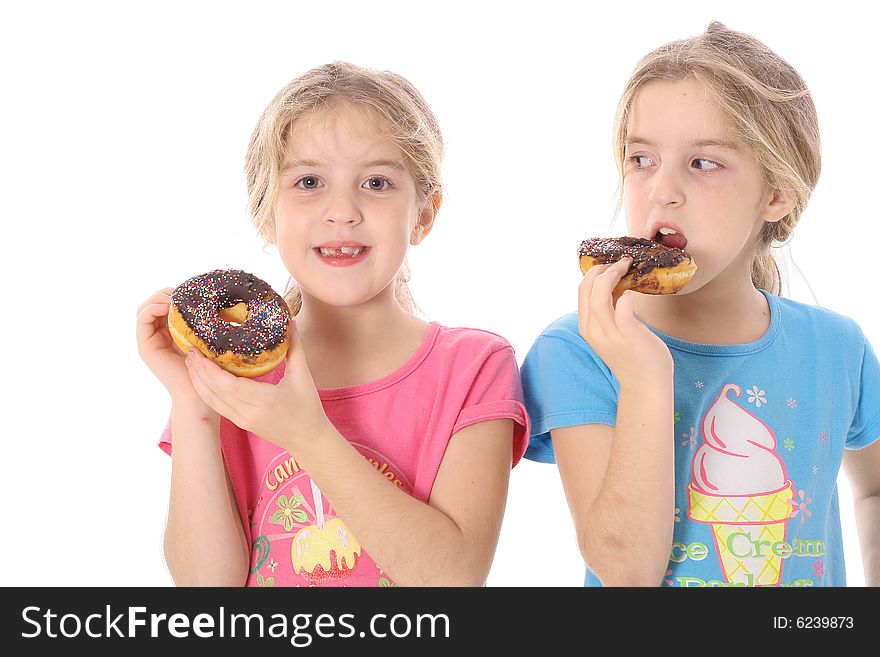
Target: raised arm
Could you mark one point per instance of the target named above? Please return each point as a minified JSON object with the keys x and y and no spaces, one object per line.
{"x":620,"y":481}
{"x":204,"y":540}
{"x":448,"y":541}
{"x":862,"y":469}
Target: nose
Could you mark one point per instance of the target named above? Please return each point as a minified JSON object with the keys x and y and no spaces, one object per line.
{"x":342,"y":208}
{"x":665,"y":189}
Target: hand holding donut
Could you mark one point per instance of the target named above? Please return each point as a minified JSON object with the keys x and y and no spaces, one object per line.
{"x":283,"y":413}
{"x":657,"y":268}
{"x":633,"y":353}
{"x":234,"y":318}
{"x":158,"y":351}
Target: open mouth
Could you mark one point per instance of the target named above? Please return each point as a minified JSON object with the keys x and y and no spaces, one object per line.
{"x":342,"y":251}
{"x":671,"y":238}
{"x":341,"y":256}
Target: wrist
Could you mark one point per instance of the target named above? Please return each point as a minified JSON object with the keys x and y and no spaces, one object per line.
{"x":658,"y":376}
{"x":309,"y":436}
{"x":193,"y":408}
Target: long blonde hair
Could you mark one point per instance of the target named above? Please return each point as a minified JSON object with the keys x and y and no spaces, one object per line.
{"x":389,"y":97}
{"x":770,"y":108}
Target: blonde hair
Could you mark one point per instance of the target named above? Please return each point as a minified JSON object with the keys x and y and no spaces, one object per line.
{"x":393,"y":100}
{"x":770,"y":108}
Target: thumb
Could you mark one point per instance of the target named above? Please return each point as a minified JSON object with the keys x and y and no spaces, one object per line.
{"x":296,"y":368}
{"x":296,"y":356}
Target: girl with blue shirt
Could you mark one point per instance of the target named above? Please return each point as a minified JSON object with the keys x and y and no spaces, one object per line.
{"x":699,"y":435}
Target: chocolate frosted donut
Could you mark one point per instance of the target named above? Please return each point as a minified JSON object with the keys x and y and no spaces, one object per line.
{"x":232,"y":317}
{"x":656,"y":269}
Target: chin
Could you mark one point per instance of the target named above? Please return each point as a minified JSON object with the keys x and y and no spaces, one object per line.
{"x":347,"y":298}
{"x":341,"y":300}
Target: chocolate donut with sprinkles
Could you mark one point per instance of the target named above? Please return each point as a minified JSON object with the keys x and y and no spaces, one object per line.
{"x":234,"y":318}
{"x":656,"y":268}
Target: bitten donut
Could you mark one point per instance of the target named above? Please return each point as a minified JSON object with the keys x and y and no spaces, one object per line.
{"x":234,"y":318}
{"x":656,"y":269}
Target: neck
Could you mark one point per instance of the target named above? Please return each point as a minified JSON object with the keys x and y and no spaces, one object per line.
{"x":352,"y":345}
{"x":726,"y":310}
{"x":350,"y":328}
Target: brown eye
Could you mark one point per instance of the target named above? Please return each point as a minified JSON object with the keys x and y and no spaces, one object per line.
{"x":703,"y":164}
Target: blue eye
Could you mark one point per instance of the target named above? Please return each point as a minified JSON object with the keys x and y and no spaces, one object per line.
{"x":308,"y":182}
{"x":703,"y":164}
{"x":377,"y":184}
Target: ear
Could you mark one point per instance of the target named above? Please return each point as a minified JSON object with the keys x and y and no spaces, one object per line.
{"x":777,"y":206}
{"x":426,"y":218}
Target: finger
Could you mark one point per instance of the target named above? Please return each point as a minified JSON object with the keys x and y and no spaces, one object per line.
{"x":212,"y":399}
{"x":601,"y":301}
{"x":585,"y":291}
{"x":624,"y":311}
{"x":296,"y":366}
{"x":163,"y":295}
{"x":146,"y":320}
{"x":150,"y":311}
{"x":152,"y":301}
{"x":612,"y":275}
{"x":295,"y":351}
{"x":293,"y":337}
{"x":232,"y":389}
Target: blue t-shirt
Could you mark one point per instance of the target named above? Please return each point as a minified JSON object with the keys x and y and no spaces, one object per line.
{"x":760,"y":430}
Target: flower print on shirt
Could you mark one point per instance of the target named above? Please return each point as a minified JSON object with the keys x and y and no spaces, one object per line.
{"x":757,"y":396}
{"x":289,"y":512}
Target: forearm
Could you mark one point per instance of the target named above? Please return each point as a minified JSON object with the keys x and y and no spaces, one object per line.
{"x":415,"y":543}
{"x":205,"y":544}
{"x":627,"y":534}
{"x":867,"y":512}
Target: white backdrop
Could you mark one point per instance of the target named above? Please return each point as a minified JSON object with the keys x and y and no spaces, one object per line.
{"x":123,"y":128}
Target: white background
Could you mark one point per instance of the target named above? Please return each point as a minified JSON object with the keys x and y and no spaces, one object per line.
{"x":123,"y":129}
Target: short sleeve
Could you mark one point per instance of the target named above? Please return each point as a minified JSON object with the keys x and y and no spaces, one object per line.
{"x":865,"y":428}
{"x":565,"y":384}
{"x":166,"y":438}
{"x":496,"y":392}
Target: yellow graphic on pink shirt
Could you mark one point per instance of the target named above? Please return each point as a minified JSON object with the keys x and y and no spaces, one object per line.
{"x":299,"y":540}
{"x":326,"y":550}
{"x":740,"y":487}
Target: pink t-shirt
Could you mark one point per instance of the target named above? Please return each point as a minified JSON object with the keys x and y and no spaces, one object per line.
{"x":400,"y":423}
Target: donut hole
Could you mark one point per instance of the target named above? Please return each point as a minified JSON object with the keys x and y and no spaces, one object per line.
{"x":235,"y":315}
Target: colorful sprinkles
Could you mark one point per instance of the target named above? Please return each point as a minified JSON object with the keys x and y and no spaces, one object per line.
{"x":646,"y":255}
{"x":200,"y":299}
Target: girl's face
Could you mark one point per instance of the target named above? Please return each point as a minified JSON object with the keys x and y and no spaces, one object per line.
{"x":686,"y":171}
{"x":347,"y":208}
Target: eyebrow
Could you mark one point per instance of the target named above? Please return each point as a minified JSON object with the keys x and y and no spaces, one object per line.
{"x":309,"y":164}
{"x":698,"y":143}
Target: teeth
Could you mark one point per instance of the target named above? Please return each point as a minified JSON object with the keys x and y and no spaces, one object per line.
{"x":345,"y":250}
{"x":667,"y":231}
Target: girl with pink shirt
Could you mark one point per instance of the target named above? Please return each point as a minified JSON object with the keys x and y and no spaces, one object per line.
{"x":379,"y":452}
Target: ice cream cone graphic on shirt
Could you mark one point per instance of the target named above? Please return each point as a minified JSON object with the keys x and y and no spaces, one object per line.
{"x":741,"y":489}
{"x":745,"y":528}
